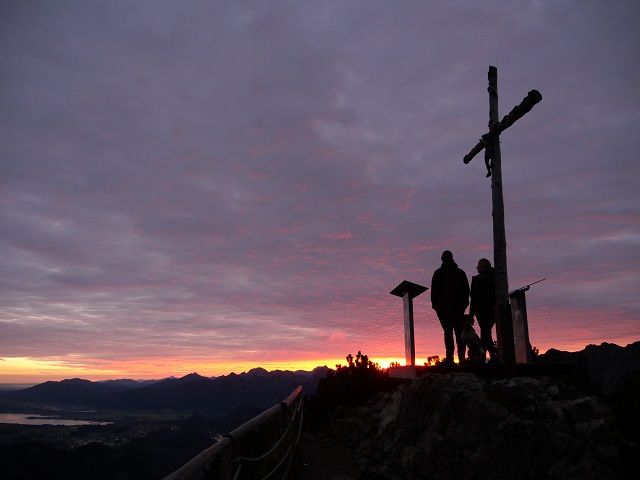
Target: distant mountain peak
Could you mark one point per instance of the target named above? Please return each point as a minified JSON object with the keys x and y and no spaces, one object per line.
{"x":192,"y":377}
{"x":258,"y":371}
{"x":75,"y":381}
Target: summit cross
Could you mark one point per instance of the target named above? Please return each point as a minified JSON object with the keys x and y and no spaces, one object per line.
{"x":490,"y":143}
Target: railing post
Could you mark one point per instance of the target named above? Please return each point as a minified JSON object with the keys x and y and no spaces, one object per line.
{"x":227,"y":455}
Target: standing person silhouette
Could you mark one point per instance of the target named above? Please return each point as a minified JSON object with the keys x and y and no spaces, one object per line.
{"x":449,"y":298}
{"x":483,"y":300}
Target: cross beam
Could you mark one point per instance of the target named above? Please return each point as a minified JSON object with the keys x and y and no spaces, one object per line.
{"x":519,"y":111}
{"x":490,"y":143}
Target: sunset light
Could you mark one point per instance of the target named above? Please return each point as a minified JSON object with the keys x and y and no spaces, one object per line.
{"x":213,"y":187}
{"x":319,"y":239}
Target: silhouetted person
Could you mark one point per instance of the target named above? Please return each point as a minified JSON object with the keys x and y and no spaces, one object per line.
{"x":449,"y":298}
{"x":483,"y":299}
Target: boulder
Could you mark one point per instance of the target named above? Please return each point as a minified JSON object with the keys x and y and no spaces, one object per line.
{"x":459,"y":426}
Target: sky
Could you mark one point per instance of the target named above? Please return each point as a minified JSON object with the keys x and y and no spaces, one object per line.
{"x":211,"y":186}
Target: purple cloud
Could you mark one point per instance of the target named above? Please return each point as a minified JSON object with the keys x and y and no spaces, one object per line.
{"x":201,"y":180}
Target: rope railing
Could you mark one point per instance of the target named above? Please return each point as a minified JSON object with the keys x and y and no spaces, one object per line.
{"x":278,"y":427}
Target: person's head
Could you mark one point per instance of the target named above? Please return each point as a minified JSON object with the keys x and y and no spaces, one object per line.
{"x":483,"y":265}
{"x":447,"y":256}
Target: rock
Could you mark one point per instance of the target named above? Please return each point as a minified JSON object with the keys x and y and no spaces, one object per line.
{"x":456,"y":425}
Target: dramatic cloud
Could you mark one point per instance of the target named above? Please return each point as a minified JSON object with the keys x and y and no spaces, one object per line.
{"x":199,"y":185}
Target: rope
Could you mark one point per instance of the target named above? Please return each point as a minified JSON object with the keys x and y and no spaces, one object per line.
{"x":264,"y":455}
{"x":288,"y":455}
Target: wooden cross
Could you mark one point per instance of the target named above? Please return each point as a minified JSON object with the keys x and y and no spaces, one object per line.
{"x":490,"y":142}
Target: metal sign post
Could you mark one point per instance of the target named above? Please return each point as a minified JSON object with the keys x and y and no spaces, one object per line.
{"x":521,"y":323}
{"x":408,"y":291}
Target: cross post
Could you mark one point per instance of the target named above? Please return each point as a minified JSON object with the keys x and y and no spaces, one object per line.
{"x":490,"y":143}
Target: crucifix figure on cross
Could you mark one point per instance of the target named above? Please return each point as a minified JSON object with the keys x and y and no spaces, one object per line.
{"x":490,"y":143}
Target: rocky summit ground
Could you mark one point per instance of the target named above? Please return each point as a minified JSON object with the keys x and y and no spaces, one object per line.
{"x":459,"y":426}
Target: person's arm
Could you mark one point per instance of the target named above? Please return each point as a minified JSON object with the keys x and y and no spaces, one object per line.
{"x":435,"y":290}
{"x":465,"y":288}
{"x":472,"y":294}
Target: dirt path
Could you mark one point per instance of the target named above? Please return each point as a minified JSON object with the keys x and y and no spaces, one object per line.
{"x":320,"y":462}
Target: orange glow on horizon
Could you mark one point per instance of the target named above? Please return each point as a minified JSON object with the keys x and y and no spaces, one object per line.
{"x":32,"y":370}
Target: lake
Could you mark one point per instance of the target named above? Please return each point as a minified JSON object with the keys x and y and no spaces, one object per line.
{"x":35,"y":419}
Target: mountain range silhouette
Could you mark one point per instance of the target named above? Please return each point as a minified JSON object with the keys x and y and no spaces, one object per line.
{"x":254,"y":389}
